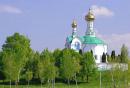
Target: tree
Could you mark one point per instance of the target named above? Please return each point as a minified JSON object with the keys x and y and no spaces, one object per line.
{"x":128,"y":74}
{"x":108,"y":57}
{"x":2,"y":76}
{"x":57,"y":54}
{"x":70,"y":64}
{"x":88,"y":66}
{"x":17,"y":50}
{"x":76,"y":62}
{"x":41,"y":71}
{"x":124,"y":54}
{"x":32,"y":64}
{"x":29,"y":76}
{"x":28,"y":70}
{"x":48,"y":69}
{"x":104,"y":57}
{"x":10,"y":66}
{"x":80,"y":51}
{"x":113,"y":55}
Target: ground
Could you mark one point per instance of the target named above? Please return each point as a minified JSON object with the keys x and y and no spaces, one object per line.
{"x":94,"y":82}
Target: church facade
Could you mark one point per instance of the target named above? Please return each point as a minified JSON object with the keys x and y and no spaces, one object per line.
{"x":87,"y":42}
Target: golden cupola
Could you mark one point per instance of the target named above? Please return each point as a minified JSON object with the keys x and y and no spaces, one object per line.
{"x":74,"y":24}
{"x":90,"y":16}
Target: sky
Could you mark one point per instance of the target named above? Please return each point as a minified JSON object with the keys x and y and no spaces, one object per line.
{"x":47,"y":23}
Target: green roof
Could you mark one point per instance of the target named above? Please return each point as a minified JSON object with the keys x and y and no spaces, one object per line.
{"x":87,"y":40}
{"x":70,"y":38}
{"x":92,"y":40}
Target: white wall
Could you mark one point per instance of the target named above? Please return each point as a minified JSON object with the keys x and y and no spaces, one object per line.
{"x":98,"y":51}
{"x":74,"y":46}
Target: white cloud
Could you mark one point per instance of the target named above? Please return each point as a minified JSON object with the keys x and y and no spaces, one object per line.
{"x":101,"y":11}
{"x":9,"y":9}
{"x":115,"y":41}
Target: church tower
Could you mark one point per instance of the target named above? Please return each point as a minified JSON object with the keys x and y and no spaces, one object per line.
{"x":91,"y":42}
{"x":74,"y":29}
{"x":74,"y":41}
{"x":90,"y":20}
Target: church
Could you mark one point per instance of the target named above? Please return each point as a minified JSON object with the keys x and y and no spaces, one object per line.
{"x":89,"y":41}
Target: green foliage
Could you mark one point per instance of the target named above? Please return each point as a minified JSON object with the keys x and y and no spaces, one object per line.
{"x":114,"y":58}
{"x":16,"y":51}
{"x":41,"y":70}
{"x":124,"y":54}
{"x":128,"y":73}
{"x":57,"y":54}
{"x":113,"y":55}
{"x":29,"y":75}
{"x":2,"y":75}
{"x":46,"y":66}
{"x":9,"y":66}
{"x":88,"y":66}
{"x":31,"y":67}
{"x":32,"y":64}
{"x":104,"y":58}
{"x":70,"y":64}
{"x":108,"y":58}
{"x":118,"y":75}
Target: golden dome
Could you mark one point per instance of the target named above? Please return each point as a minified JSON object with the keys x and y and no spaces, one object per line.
{"x":89,"y":16}
{"x":74,"y":24}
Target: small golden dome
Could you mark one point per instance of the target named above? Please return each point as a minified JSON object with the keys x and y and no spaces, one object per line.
{"x":89,"y":16}
{"x":74,"y":24}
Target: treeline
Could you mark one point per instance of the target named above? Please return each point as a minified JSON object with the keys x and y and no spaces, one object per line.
{"x":19,"y":62}
{"x":123,"y":57}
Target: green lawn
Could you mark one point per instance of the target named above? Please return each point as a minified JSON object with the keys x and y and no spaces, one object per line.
{"x":57,"y":86}
{"x":94,"y":82}
{"x":61,"y":85}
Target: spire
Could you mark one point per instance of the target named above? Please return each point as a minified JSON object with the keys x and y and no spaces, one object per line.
{"x":74,"y":26}
{"x":90,"y":20}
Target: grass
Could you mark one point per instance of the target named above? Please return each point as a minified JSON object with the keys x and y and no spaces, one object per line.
{"x":94,"y":84}
{"x":58,"y":85}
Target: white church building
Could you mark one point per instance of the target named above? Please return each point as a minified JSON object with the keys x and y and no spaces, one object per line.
{"x":87,"y":42}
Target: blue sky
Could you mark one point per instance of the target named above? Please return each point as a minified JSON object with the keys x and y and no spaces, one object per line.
{"x":48,"y":22}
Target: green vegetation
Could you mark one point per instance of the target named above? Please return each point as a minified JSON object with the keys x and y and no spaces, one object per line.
{"x":124,"y":54}
{"x":19,"y":64}
{"x":88,"y":66}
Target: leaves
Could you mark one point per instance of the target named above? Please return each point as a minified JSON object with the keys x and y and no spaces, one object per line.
{"x":16,"y":51}
{"x":88,"y":65}
{"x":70,"y":63}
{"x":46,"y":66}
{"x":124,"y":54}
